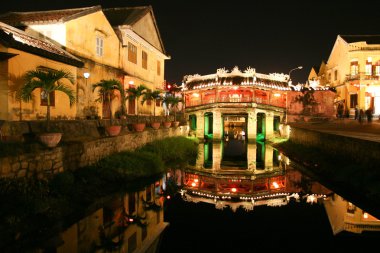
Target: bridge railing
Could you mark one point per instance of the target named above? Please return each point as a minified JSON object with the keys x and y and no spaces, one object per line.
{"x":258,"y":100}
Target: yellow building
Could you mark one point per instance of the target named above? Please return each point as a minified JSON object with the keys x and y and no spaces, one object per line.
{"x":353,"y":68}
{"x":121,"y":43}
{"x":21,"y":52}
{"x":345,"y":216}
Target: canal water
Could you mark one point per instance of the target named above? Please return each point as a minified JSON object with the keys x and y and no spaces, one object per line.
{"x":238,"y":197}
{"x":231,"y":203}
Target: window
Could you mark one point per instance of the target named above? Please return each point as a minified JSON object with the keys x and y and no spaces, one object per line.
{"x":368,"y":67}
{"x":158,"y":68}
{"x":158,"y":102}
{"x":335,"y":75}
{"x":99,"y":46}
{"x":44,"y":98}
{"x":377,"y":70}
{"x":354,"y":69}
{"x":353,"y":100}
{"x":144,"y":58}
{"x":132,"y":53}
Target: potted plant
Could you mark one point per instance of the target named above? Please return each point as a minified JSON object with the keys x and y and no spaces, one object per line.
{"x":136,"y":93}
{"x":48,"y":80}
{"x":172,"y":104}
{"x":106,"y":89}
{"x":153,"y":96}
{"x":167,"y":101}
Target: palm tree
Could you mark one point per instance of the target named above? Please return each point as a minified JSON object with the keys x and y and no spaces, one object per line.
{"x":136,"y":93}
{"x":106,"y":90}
{"x":153,"y":96}
{"x":172,"y":103}
{"x":48,"y":80}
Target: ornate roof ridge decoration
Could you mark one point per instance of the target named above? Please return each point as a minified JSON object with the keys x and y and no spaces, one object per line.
{"x":236,"y":77}
{"x":249,"y":72}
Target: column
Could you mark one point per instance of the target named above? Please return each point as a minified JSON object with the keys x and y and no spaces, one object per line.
{"x":268,"y":157}
{"x":217,"y":125}
{"x":252,"y":125}
{"x":251,"y":156}
{"x":200,"y":159}
{"x":216,"y":156}
{"x":269,"y":125}
{"x":200,"y":125}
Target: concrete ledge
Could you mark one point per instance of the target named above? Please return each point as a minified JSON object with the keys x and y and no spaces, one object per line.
{"x":359,"y":150}
{"x":44,"y":162}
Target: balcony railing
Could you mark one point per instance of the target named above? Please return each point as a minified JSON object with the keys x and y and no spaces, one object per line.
{"x":273,"y":101}
{"x":363,"y":76}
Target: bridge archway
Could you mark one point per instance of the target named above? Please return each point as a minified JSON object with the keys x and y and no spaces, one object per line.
{"x":208,"y":125}
{"x":261,"y":127}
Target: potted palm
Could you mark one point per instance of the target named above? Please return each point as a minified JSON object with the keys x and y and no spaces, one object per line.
{"x":172,"y":104}
{"x":49,"y":81}
{"x":136,"y":93}
{"x":153,"y":96}
{"x":106,"y":89}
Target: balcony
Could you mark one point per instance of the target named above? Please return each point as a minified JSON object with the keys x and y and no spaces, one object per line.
{"x":273,"y":101}
{"x":362,"y":76}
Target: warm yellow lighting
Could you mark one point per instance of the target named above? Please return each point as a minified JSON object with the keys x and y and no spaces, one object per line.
{"x":277,"y":94}
{"x":365,"y":215}
{"x":196,"y":180}
{"x":196,"y":95}
{"x":235,"y":87}
{"x":193,"y":184}
{"x":233,"y":189}
{"x":131,"y":82}
{"x":86,"y":75}
{"x":275,"y":185}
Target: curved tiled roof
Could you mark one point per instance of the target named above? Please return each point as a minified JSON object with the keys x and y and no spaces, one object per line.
{"x":45,"y":17}
{"x":18,"y":39}
{"x":125,"y":15}
{"x":370,"y":39}
{"x":238,"y":80}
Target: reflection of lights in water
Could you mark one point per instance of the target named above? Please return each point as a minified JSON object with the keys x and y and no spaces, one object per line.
{"x":233,"y":189}
{"x":365,"y":215}
{"x":311,"y":199}
{"x":275,"y":185}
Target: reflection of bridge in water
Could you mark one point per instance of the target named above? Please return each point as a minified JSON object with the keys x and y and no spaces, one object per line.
{"x":238,"y":155}
{"x":261,"y":176}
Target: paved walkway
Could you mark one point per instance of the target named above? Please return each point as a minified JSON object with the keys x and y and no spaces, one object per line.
{"x":347,"y":127}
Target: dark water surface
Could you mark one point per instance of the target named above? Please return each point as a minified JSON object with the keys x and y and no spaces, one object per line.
{"x":267,"y":207}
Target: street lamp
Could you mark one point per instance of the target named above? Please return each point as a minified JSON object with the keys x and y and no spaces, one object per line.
{"x":299,"y":67}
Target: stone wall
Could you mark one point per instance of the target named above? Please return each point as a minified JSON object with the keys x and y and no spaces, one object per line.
{"x":43,"y":162}
{"x":361,"y":151}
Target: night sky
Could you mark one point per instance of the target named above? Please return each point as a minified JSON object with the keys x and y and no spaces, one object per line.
{"x":202,"y":36}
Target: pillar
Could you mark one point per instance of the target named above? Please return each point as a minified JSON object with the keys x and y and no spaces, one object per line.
{"x":252,"y":125}
{"x":269,"y":125}
{"x":217,"y":125}
{"x":251,"y":156}
{"x":200,"y":125}
{"x":216,"y":156}
{"x":200,"y":159}
{"x":268,"y":157}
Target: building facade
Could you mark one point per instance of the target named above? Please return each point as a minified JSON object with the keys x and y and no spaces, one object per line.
{"x":121,"y":43}
{"x":353,"y":68}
